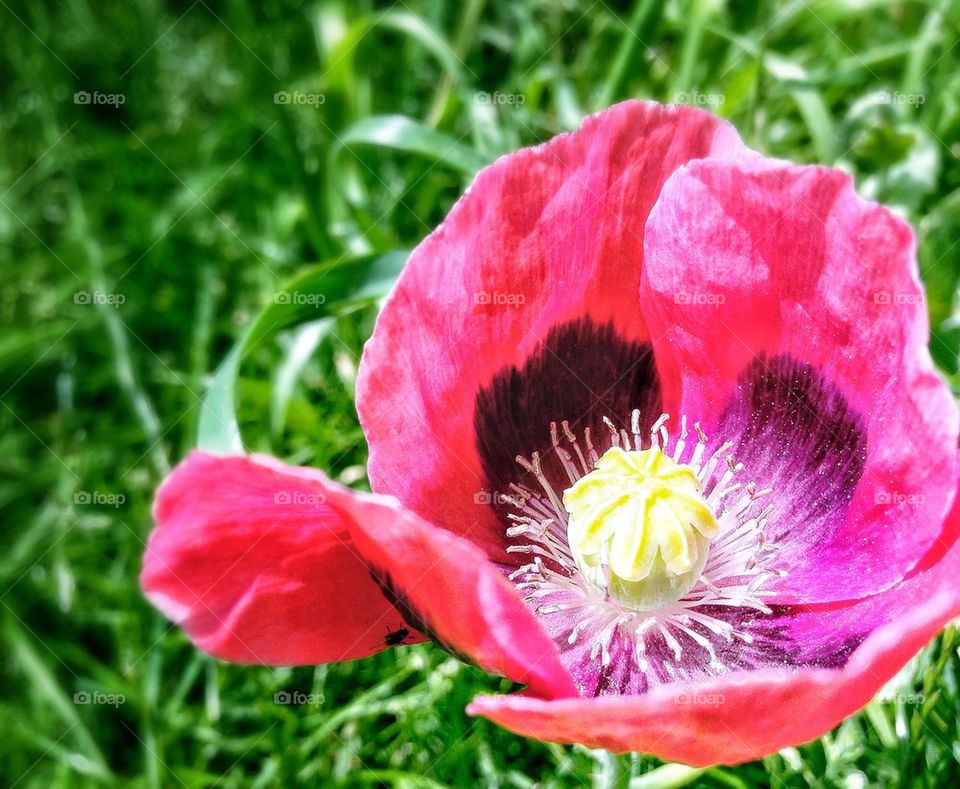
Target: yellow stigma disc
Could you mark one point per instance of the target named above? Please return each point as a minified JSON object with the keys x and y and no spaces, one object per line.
{"x":644,"y":518}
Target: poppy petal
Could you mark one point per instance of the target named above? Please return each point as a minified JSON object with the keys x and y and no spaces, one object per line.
{"x":250,"y":559}
{"x":788,"y":317}
{"x":547,"y":237}
{"x":746,"y":715}
{"x":447,"y":589}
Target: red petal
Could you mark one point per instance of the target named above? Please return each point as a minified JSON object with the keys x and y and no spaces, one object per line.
{"x":446,"y":586}
{"x":744,"y":259}
{"x":544,"y":236}
{"x":252,"y":562}
{"x":747,"y":715}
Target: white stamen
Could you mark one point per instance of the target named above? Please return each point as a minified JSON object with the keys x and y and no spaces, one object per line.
{"x":738,"y":573}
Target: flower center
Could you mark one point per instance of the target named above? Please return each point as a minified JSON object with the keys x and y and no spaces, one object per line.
{"x":639,"y":527}
{"x":628,"y":497}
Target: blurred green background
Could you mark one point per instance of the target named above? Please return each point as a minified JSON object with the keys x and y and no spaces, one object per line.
{"x":166,"y":168}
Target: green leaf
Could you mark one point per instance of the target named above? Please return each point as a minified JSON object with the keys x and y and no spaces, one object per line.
{"x":815,"y":114}
{"x":940,"y":266}
{"x":668,"y":776}
{"x":306,"y":340}
{"x":645,"y":15}
{"x":330,"y":289}
{"x":46,"y":686}
{"x":217,"y":430}
{"x":400,"y":133}
{"x":341,"y":56}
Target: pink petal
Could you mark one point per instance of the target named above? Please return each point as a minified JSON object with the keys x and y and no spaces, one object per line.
{"x":544,"y":237}
{"x":748,"y":715}
{"x":745,"y":259}
{"x":252,"y":562}
{"x":446,"y":587}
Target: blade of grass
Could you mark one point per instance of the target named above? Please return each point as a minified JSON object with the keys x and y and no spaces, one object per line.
{"x":470,"y":14}
{"x":669,"y":776}
{"x":402,"y":22}
{"x":306,"y":340}
{"x":400,"y":133}
{"x":695,"y":20}
{"x":46,"y":685}
{"x":645,"y":15}
{"x":200,"y":345}
{"x":344,"y":285}
{"x":124,"y":365}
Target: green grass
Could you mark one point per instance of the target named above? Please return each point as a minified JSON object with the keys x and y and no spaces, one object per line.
{"x":195,"y":199}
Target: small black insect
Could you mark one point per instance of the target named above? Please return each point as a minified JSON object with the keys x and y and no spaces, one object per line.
{"x":396,"y":637}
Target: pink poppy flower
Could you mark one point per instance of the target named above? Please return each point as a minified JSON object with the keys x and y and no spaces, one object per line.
{"x":662,"y":441}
